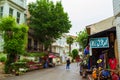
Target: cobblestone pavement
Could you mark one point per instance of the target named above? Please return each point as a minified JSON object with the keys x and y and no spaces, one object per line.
{"x":56,"y":73}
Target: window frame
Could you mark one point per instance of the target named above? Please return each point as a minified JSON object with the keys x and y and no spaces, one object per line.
{"x":1,"y":11}
{"x":18,"y":17}
{"x":11,"y":11}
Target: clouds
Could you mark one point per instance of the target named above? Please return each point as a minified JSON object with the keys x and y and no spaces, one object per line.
{"x":85,"y":12}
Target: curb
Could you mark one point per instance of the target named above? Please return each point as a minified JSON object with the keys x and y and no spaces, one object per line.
{"x":89,"y":77}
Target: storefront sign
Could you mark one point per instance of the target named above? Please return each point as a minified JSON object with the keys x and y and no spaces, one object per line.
{"x":99,"y":42}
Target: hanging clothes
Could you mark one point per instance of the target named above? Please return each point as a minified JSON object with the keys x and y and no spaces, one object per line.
{"x":101,"y":61}
{"x":112,"y":63}
{"x":86,"y":50}
{"x":115,"y":76}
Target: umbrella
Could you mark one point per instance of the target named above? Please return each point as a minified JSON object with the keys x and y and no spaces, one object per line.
{"x":52,"y":56}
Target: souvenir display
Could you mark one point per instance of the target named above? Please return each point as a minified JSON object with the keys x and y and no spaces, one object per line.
{"x":113,"y":63}
{"x":94,"y":73}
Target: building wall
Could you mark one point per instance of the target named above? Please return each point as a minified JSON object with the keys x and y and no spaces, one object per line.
{"x":61,"y":47}
{"x":1,"y":43}
{"x":32,"y":46}
{"x":116,"y":7}
{"x":117,"y":23}
{"x":16,"y":8}
{"x":75,"y":45}
{"x":116,"y":10}
{"x":21,"y":3}
{"x":101,"y":26}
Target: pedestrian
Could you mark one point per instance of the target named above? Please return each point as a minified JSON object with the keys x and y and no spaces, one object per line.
{"x":46,"y":64}
{"x":68,"y":63}
{"x":77,"y":61}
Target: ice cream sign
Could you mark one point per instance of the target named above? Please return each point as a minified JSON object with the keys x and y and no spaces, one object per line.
{"x":102,"y":42}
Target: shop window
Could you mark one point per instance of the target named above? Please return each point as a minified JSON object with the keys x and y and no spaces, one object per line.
{"x":10,"y":12}
{"x":1,"y":11}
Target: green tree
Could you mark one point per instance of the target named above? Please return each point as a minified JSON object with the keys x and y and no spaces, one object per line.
{"x":70,"y":42}
{"x":82,"y":38}
{"x":15,"y":39}
{"x":74,"y":53}
{"x":48,"y":20}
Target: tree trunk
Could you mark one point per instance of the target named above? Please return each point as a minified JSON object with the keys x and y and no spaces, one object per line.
{"x":50,"y":48}
{"x":69,"y":48}
{"x":11,"y":58}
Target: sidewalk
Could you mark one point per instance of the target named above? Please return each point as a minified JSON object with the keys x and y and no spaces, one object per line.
{"x":89,"y":77}
{"x":2,"y":75}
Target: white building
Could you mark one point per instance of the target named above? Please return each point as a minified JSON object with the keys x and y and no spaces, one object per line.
{"x":62,"y":48}
{"x":116,"y":9}
{"x":15,"y":8}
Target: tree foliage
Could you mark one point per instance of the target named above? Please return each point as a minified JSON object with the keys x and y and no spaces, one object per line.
{"x":74,"y":53}
{"x":70,"y":41}
{"x":15,"y":35}
{"x":82,"y":38}
{"x":48,"y":20}
{"x":15,"y":39}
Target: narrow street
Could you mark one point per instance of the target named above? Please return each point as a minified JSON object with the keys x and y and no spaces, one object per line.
{"x":57,"y":73}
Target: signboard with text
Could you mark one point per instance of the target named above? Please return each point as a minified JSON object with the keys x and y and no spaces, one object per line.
{"x":102,"y":42}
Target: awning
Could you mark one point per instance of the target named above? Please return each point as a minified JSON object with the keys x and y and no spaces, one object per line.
{"x":52,"y":56}
{"x":103,"y":33}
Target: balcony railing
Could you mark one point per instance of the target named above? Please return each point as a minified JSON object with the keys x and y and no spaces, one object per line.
{"x":32,"y":49}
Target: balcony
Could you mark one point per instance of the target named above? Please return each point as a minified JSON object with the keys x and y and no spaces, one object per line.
{"x":33,"y":49}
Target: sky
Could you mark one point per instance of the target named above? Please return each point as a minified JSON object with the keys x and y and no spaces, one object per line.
{"x":85,"y":12}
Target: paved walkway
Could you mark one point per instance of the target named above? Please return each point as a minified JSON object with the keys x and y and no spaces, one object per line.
{"x":57,"y":73}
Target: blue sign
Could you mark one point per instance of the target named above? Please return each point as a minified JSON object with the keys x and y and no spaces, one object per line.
{"x":99,"y":42}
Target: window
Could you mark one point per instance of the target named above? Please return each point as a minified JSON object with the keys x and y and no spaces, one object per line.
{"x":25,"y":17}
{"x":18,"y":17}
{"x":1,"y":11}
{"x":21,"y":0}
{"x":35,"y":45}
{"x":10,"y":12}
{"x":29,"y":44}
{"x":76,"y":44}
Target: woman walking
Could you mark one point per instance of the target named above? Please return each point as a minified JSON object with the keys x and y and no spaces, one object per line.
{"x":68,"y":64}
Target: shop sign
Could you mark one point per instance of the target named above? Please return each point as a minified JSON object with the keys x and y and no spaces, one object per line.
{"x":102,"y":42}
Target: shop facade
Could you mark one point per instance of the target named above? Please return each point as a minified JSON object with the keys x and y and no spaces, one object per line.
{"x":103,"y":46}
{"x":104,"y":59}
{"x":103,"y":50}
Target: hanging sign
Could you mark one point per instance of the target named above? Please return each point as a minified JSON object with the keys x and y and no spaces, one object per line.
{"x":102,"y":42}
